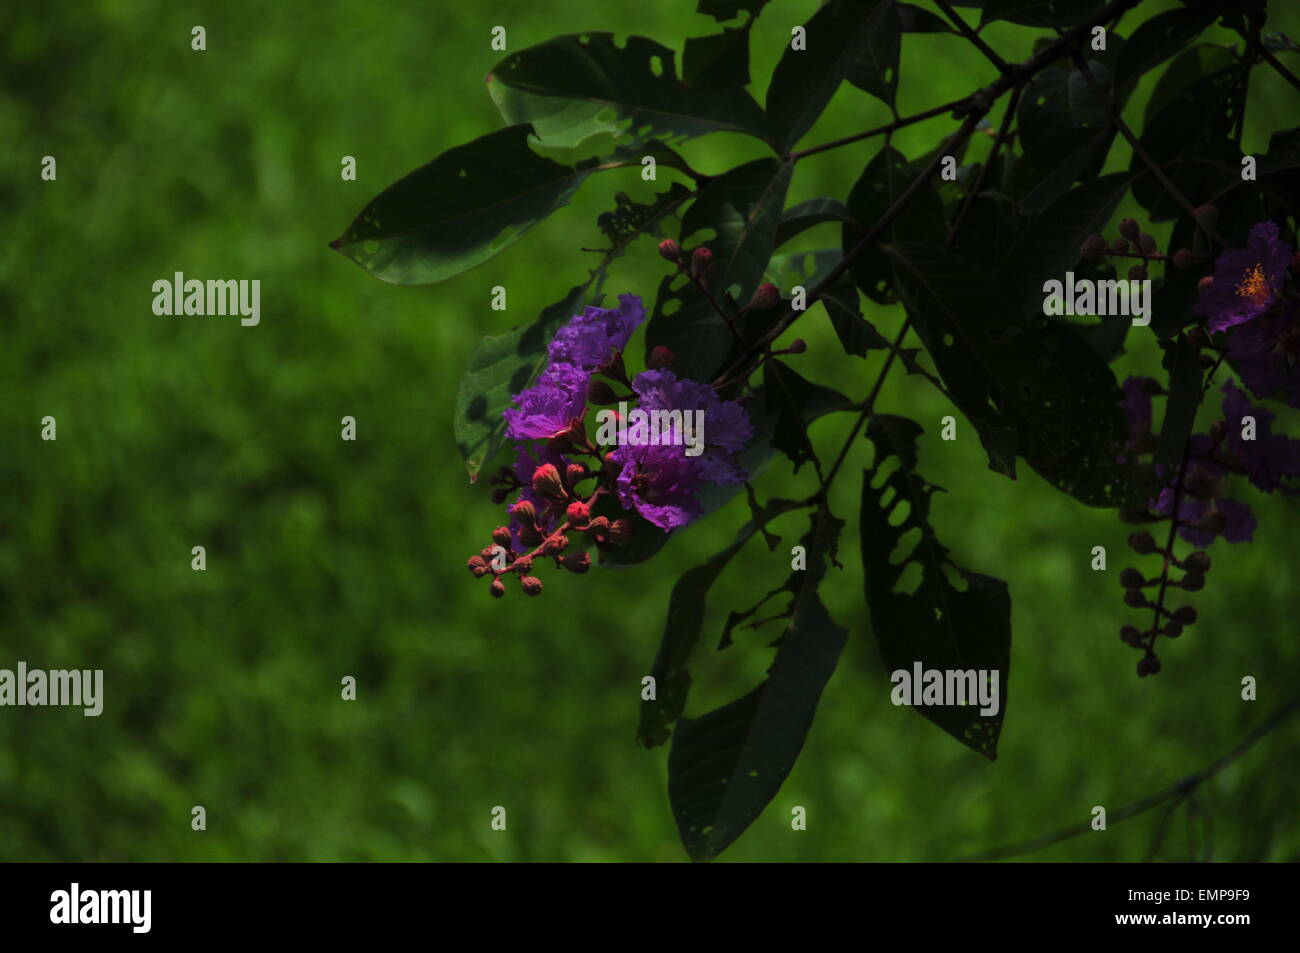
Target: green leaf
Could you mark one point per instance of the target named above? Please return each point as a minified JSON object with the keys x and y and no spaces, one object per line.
{"x":717,"y":61}
{"x":459,"y":210}
{"x":1035,"y":376}
{"x":1157,"y":39}
{"x":954,"y":620}
{"x":914,"y":19}
{"x":1050,"y":244}
{"x":1183,"y":362}
{"x":501,"y":366}
{"x":883,"y":180}
{"x":843,"y":35}
{"x":686,"y":605}
{"x":724,"y":767}
{"x":580,"y":85}
{"x":799,"y":218}
{"x":855,"y":332}
{"x":1056,"y":150}
{"x":795,"y":402}
{"x":875,"y":70}
{"x":741,"y":207}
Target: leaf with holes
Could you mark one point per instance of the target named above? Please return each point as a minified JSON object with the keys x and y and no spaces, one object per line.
{"x":795,"y":402}
{"x":953,"y":621}
{"x":797,"y":219}
{"x":724,"y":767}
{"x":1039,"y":379}
{"x":843,"y":37}
{"x":717,"y":61}
{"x":807,"y":270}
{"x":583,"y":84}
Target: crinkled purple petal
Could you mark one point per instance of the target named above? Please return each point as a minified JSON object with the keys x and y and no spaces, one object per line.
{"x":1247,"y":281}
{"x":547,"y":407}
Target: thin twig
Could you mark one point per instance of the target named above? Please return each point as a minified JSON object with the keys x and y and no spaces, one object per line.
{"x":975,"y":38}
{"x":1001,"y":138}
{"x":1272,"y":60}
{"x":880,"y":130}
{"x":1181,"y":788}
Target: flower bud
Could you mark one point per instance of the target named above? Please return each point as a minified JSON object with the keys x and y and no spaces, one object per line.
{"x":554,"y":545}
{"x":1193,"y":581}
{"x":478,"y":566}
{"x":599,"y":525}
{"x":1129,"y":635}
{"x":578,"y":513}
{"x":499,"y":496}
{"x":576,"y":472}
{"x":620,"y":531}
{"x":522,"y":565}
{"x":669,"y":250}
{"x":599,"y":392}
{"x":1184,"y":615}
{"x":1172,"y":630}
{"x":1198,"y":561}
{"x":1134,"y":599}
{"x":1094,"y":246}
{"x":701,"y":259}
{"x":1148,"y":665}
{"x":498,"y":588}
{"x":1131,"y":579}
{"x":1137,"y":273}
{"x":501,"y":536}
{"x":524,"y":512}
{"x":1119,"y":246}
{"x":577,"y":563}
{"x":531,"y":585}
{"x":1182,"y":259}
{"x":1143,"y":543}
{"x":546,"y":482}
{"x":1130,"y":230}
{"x":1207,"y":216}
{"x":1147,"y":244}
{"x":660,"y":356}
{"x":529,"y":535}
{"x":1204,"y":284}
{"x":765,"y":296}
{"x":798,"y":346}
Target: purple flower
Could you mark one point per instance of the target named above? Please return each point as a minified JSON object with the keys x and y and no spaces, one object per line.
{"x":1268,"y":459}
{"x":659,"y":482}
{"x":1247,"y":281}
{"x":1201,"y":521}
{"x":550,"y":405}
{"x":590,"y":339}
{"x":1265,"y":353}
{"x":727,"y":428}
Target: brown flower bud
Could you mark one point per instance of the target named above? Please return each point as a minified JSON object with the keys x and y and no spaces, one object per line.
{"x":522,"y":566}
{"x":1094,"y":246}
{"x":531,"y":585}
{"x":1137,"y":273}
{"x":1147,"y":244}
{"x":1182,"y":259}
{"x":498,"y":588}
{"x":701,"y":259}
{"x":1143,"y":543}
{"x":1207,"y":216}
{"x":1203,"y":285}
{"x":546,"y":482}
{"x":1120,"y":246}
{"x":798,"y":346}
{"x":1198,"y":561}
{"x":478,"y":566}
{"x":524,"y":512}
{"x":1130,"y":230}
{"x":576,"y":472}
{"x":765,"y":296}
{"x":578,"y":514}
{"x":577,"y":563}
{"x":501,"y":536}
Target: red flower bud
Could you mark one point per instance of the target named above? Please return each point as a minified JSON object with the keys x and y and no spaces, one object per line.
{"x":1137,"y":273}
{"x":1130,"y":230}
{"x":576,"y":473}
{"x":599,"y":525}
{"x":798,"y":346}
{"x":522,"y":565}
{"x":546,"y":482}
{"x":478,"y":566}
{"x":1143,"y":543}
{"x":578,"y":514}
{"x":501,"y":536}
{"x":524,"y":512}
{"x":1182,"y":259}
{"x":498,"y":588}
{"x":531,"y":585}
{"x":765,"y":296}
{"x":554,"y":545}
{"x":1119,"y":245}
{"x":1203,"y":285}
{"x":661,"y":356}
{"x":669,"y":250}
{"x":701,"y":258}
{"x":1147,"y":244}
{"x":1207,"y":216}
{"x":1094,"y":246}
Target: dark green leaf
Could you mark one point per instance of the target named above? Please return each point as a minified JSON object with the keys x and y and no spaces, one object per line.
{"x":883,"y":180}
{"x":1159,"y":38}
{"x":575,"y":86}
{"x":795,"y":402}
{"x":799,"y":218}
{"x":1183,"y":362}
{"x":875,"y":69}
{"x":1050,"y":244}
{"x":741,"y":207}
{"x":724,"y":767}
{"x":717,"y":61}
{"x":940,"y":625}
{"x":459,"y":210}
{"x":1048,"y":13}
{"x":722,"y":10}
{"x":1035,"y":376}
{"x":838,"y":38}
{"x":914,"y":19}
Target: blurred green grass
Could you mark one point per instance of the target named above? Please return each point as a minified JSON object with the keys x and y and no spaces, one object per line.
{"x":328,"y":558}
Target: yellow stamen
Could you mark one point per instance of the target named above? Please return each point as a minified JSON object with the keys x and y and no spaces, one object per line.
{"x":1254,"y":285}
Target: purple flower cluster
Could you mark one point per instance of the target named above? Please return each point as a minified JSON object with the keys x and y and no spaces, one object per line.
{"x":658,"y":479}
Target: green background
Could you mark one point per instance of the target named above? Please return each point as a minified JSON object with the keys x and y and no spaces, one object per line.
{"x":329,"y":558}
